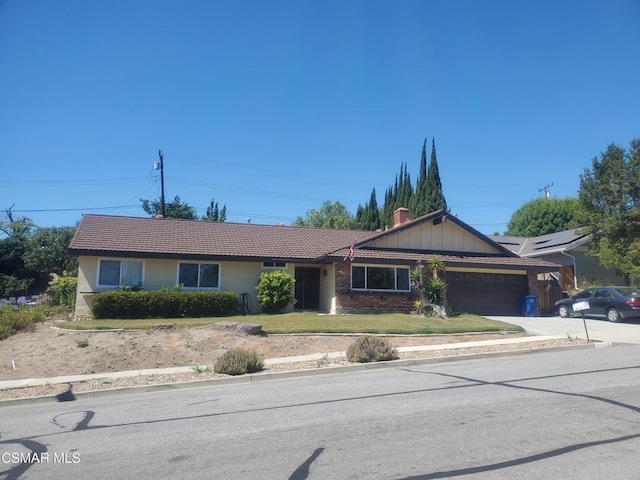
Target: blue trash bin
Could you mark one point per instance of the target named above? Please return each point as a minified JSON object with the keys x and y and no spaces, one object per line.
{"x":529,"y":305}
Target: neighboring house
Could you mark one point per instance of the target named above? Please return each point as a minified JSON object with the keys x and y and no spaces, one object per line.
{"x":568,"y":249}
{"x":482,"y":276}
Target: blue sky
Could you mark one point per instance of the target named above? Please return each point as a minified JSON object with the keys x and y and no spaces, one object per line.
{"x":272,"y":107}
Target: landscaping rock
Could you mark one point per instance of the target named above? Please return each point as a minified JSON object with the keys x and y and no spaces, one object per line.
{"x":247,"y":328}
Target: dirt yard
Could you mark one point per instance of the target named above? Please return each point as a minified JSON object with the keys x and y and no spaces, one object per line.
{"x":50,"y":352}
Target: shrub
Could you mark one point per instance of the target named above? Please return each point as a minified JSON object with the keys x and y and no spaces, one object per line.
{"x":10,"y":285}
{"x":239,"y":361}
{"x":274,"y":290}
{"x":369,"y":348}
{"x":63,"y":290}
{"x":14,"y":319}
{"x":163,"y":304}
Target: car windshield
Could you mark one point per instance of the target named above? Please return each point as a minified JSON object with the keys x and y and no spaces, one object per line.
{"x":628,"y":291}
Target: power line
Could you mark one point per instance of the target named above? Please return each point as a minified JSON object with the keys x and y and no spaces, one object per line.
{"x":76,"y":209}
{"x":71,"y":183}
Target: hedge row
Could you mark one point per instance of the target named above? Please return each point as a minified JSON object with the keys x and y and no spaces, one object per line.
{"x":158,"y":304}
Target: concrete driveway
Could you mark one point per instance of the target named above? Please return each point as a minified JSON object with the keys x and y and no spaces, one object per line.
{"x":599,"y":330}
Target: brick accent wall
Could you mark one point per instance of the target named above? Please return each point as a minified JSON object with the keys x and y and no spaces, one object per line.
{"x":348,"y":301}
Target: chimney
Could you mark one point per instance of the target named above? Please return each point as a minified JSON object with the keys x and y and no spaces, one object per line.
{"x":400,"y":216}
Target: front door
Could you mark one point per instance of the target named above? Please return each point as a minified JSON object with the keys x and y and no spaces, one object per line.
{"x":307,"y":291}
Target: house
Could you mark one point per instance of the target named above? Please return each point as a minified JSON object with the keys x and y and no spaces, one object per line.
{"x":482,"y":276}
{"x":568,"y":249}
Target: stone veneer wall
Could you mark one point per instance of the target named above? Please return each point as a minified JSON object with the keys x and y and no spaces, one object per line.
{"x":349,"y":301}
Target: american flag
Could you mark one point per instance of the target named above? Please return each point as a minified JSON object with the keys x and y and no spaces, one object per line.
{"x":351,"y":253}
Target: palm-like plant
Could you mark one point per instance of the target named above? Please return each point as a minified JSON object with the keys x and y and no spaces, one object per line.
{"x":430,"y":287}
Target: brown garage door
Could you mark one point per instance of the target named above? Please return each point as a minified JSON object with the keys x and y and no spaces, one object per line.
{"x":486,"y":293}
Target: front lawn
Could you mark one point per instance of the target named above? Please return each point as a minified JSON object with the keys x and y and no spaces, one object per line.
{"x":307,"y":322}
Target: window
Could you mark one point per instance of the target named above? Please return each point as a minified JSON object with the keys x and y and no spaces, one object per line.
{"x":380,"y":278}
{"x":274,"y":264}
{"x":113,"y":273}
{"x":199,"y":275}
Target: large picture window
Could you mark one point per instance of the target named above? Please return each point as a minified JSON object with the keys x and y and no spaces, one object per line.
{"x":380,"y":278}
{"x":113,"y":273}
{"x":199,"y":275}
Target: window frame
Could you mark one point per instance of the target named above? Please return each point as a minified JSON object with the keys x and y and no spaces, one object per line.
{"x":120,"y":261}
{"x":199,"y":267}
{"x":274,"y":265}
{"x":395,"y":273}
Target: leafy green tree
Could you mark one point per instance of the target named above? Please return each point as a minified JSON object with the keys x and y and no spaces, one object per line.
{"x":46,"y":251}
{"x":175,"y":209}
{"x":14,"y":278}
{"x":331,"y":215}
{"x":542,"y":216}
{"x":609,"y":198}
{"x":214,"y":213}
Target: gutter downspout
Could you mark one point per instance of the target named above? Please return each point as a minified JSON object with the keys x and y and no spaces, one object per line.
{"x":575,"y":270}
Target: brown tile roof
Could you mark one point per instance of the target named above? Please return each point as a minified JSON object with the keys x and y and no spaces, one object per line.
{"x":173,"y":238}
{"x":372,"y":255}
{"x":165,"y":237}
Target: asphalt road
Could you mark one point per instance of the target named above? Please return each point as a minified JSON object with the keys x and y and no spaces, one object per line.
{"x":570,"y":414}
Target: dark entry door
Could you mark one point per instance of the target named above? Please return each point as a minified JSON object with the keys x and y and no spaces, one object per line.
{"x":307,"y":291}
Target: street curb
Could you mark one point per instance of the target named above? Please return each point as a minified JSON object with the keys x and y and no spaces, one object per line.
{"x":263,"y":377}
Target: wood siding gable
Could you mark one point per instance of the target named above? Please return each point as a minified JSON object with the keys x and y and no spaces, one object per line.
{"x":446,"y":236}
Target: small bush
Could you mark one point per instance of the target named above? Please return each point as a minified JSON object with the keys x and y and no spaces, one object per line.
{"x":14,"y":319}
{"x":82,"y":342}
{"x":369,"y":348}
{"x":239,"y":361}
{"x":274,"y":291}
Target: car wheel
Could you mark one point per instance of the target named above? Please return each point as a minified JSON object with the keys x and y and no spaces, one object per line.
{"x":613,"y":315}
{"x":563,"y":311}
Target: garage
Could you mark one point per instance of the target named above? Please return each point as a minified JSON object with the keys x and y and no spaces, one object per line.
{"x":486,"y":293}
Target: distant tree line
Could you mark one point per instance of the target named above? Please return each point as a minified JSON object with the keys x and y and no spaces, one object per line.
{"x":179,"y":209}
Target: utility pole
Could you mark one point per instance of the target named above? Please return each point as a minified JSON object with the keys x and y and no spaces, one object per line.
{"x":546,"y":189}
{"x":162,"y":181}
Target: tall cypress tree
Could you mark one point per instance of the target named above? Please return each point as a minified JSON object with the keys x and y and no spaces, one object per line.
{"x":418,"y":201}
{"x":368,"y":217}
{"x":374,"y":213}
{"x":435,"y":196}
{"x":427,"y":196}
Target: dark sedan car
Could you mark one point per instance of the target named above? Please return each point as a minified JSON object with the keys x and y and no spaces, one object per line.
{"x":614,"y":303}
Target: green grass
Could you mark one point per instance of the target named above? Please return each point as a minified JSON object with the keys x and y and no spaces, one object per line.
{"x":395,"y":323}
